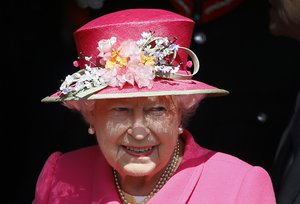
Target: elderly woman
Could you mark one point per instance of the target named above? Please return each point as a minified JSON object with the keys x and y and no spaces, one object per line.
{"x":136,"y":93}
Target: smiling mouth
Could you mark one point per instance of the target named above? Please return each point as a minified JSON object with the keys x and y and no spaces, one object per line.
{"x":139,"y":151}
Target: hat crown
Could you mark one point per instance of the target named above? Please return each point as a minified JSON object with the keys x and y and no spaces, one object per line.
{"x":134,"y":53}
{"x":129,"y":25}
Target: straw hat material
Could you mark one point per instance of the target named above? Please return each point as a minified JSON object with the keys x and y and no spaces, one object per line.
{"x":134,"y":53}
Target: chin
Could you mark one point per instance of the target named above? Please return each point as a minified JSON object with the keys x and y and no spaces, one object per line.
{"x":139,"y":169}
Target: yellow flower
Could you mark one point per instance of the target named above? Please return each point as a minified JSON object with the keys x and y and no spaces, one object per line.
{"x":116,"y":59}
{"x":122,"y":61}
{"x":110,"y":64}
{"x":147,"y":60}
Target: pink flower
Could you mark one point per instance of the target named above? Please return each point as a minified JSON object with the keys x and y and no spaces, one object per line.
{"x":110,"y":77}
{"x":144,"y":76}
{"x":129,"y":48}
{"x":124,"y":77}
{"x":189,"y":64}
{"x":76,"y":63}
{"x":106,"y":44}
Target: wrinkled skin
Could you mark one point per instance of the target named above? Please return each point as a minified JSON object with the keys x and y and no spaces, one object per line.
{"x":137,"y":137}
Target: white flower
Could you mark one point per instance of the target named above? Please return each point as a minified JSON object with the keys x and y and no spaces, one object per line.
{"x":88,"y":58}
{"x":69,"y":80}
{"x":141,"y":42}
{"x":133,"y":70}
{"x":106,"y":45}
{"x":146,"y":35}
{"x":174,"y":47}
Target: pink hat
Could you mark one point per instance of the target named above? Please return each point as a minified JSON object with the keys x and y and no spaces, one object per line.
{"x":134,"y":53}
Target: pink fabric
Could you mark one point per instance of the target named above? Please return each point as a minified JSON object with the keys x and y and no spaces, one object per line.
{"x":130,"y":24}
{"x":161,"y":85}
{"x":204,"y":176}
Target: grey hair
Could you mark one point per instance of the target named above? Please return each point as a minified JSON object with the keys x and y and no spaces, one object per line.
{"x":83,"y":106}
{"x":187,"y":104}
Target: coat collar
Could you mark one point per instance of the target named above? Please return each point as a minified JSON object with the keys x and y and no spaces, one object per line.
{"x":187,"y":176}
{"x":180,"y":186}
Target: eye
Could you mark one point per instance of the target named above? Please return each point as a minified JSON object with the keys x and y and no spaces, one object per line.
{"x":157,"y":111}
{"x":120,"y":109}
{"x":159,"y":108}
{"x":119,"y":112}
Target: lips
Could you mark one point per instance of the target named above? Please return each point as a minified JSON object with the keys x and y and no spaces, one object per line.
{"x":139,"y":151}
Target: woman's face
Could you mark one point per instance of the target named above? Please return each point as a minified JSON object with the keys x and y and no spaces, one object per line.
{"x":285,"y":18}
{"x":137,"y":136}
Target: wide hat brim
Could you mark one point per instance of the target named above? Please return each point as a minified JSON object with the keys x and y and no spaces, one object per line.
{"x":161,"y":87}
{"x":157,"y":63}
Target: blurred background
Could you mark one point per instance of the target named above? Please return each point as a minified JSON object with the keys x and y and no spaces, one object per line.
{"x":236,"y":51}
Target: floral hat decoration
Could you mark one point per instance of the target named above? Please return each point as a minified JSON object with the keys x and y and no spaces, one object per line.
{"x":134,"y":53}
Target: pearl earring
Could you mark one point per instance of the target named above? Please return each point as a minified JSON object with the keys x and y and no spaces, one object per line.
{"x":180,"y":130}
{"x":91,"y":130}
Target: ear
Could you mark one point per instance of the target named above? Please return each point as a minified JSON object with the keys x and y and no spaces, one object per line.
{"x":89,"y":117}
{"x":180,"y":117}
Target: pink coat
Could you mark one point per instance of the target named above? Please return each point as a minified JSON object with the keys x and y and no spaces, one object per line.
{"x":203,"y":177}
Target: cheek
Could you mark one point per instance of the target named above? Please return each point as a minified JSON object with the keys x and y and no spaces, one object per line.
{"x":110,"y":130}
{"x":109,"y":136}
{"x":164,"y":125}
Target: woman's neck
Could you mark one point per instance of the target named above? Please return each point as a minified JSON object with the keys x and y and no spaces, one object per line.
{"x":140,"y":186}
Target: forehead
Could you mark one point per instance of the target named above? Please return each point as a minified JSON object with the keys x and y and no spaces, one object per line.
{"x":166,"y":100}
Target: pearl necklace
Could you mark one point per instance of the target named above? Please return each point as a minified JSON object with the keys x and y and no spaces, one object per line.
{"x":162,"y":181}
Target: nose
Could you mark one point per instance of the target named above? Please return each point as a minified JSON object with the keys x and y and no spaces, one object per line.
{"x":139,"y":129}
{"x":139,"y":133}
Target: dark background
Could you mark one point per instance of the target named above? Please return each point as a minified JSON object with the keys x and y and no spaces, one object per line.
{"x":240,"y":55}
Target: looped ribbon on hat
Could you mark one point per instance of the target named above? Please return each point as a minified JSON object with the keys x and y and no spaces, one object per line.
{"x":196,"y":65}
